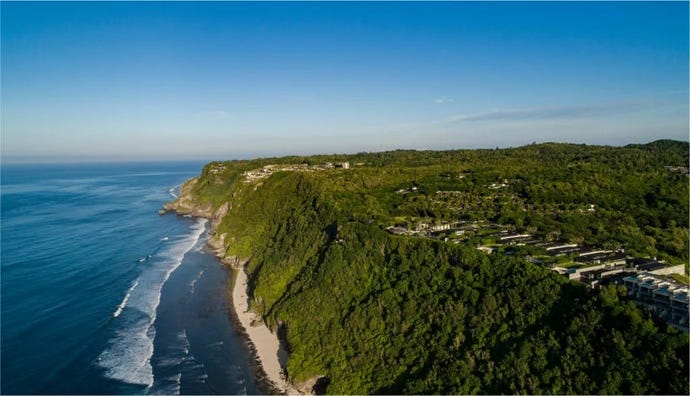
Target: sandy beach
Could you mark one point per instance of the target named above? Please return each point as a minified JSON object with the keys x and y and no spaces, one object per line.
{"x":266,"y":344}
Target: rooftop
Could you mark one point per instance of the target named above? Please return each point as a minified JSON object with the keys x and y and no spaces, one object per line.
{"x":650,"y":266}
{"x":664,"y":286}
{"x":601,"y":257}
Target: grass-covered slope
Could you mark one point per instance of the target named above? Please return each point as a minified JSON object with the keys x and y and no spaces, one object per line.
{"x":377,"y":313}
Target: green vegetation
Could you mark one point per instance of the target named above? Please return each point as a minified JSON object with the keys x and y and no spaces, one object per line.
{"x":682,"y":279}
{"x":381,"y":313}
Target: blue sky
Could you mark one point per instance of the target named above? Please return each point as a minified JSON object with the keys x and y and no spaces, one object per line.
{"x":137,"y":80}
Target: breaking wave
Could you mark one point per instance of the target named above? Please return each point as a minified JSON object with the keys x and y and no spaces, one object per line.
{"x":123,"y":304}
{"x":128,"y":355}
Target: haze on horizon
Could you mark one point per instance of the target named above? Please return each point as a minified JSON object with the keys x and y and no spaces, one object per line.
{"x":216,"y":80}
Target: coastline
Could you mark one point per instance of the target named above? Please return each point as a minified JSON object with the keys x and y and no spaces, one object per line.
{"x":194,"y":327}
{"x":263,"y":344}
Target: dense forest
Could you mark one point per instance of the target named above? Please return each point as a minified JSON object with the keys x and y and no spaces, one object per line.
{"x":372,"y":312}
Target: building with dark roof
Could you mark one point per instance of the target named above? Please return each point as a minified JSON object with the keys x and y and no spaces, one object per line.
{"x":602,"y":258}
{"x":655,"y":267}
{"x":562,"y":251}
{"x":650,"y":266}
{"x":594,"y":278}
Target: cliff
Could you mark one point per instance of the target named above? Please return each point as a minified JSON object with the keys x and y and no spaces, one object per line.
{"x":363,"y":311}
{"x":186,"y":203}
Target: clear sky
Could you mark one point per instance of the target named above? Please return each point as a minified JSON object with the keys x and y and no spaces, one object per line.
{"x":138,"y":80}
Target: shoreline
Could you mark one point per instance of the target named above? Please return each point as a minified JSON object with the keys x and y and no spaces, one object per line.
{"x":263,"y":344}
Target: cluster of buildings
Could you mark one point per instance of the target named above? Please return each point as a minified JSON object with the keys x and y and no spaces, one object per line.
{"x":425,"y":228}
{"x":216,"y":169}
{"x":268,"y":170}
{"x":614,"y":269}
{"x":647,"y":279}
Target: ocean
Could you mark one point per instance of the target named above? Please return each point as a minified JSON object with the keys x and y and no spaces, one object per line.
{"x":101,"y":295}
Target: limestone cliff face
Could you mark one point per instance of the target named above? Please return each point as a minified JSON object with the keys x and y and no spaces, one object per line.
{"x":219,"y":245}
{"x":219,"y":214}
{"x":185,"y":203}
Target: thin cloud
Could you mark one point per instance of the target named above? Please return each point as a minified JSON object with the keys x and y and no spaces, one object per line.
{"x":443,"y":100}
{"x":552,"y":113}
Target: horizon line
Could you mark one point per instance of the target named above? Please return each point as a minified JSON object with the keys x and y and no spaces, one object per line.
{"x":95,"y":160}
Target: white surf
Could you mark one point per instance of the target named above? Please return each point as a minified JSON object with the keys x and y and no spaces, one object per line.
{"x":128,"y":355}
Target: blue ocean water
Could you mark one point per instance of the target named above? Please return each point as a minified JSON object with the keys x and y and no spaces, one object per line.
{"x":100,"y":294}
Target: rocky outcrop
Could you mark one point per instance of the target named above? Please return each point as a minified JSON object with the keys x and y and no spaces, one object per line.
{"x":234,"y":261}
{"x":185,"y":203}
{"x":313,"y":386}
{"x":219,"y":214}
{"x":217,"y":244}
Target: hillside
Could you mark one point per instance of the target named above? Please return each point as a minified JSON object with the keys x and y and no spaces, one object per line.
{"x":373,"y":312}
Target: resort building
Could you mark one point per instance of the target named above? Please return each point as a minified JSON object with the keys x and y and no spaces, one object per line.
{"x":667,"y":298}
{"x":602,"y":257}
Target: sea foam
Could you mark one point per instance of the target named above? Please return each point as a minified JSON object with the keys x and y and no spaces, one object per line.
{"x":192,"y":284}
{"x":128,"y":355}
{"x":123,"y":304}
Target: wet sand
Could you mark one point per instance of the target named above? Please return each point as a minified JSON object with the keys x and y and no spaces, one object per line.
{"x":265,"y":343}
